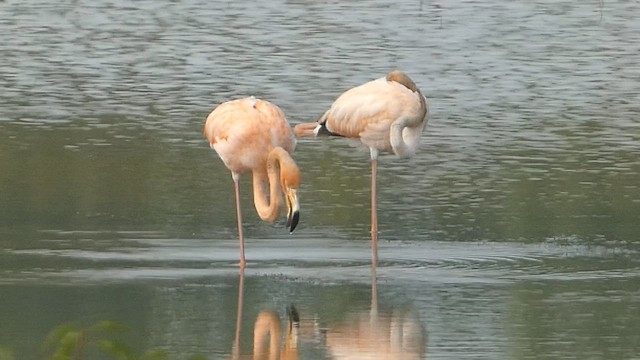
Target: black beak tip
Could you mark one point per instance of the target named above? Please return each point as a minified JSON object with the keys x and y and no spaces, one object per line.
{"x":292,"y":312}
{"x":292,"y":222}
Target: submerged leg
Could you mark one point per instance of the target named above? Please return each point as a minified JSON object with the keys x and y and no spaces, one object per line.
{"x":236,"y":341}
{"x":236,"y":186}
{"x":374,"y":207}
{"x":373,"y":315}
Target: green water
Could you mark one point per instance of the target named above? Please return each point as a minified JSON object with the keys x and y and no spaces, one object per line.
{"x":512,"y":234}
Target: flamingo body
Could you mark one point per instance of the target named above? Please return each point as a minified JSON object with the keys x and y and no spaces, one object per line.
{"x":243,"y":132}
{"x":387,"y":114}
{"x":252,"y":135}
{"x":369,"y":111}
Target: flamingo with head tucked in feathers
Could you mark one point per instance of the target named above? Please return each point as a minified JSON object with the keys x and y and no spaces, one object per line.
{"x":252,"y":135}
{"x":388,"y":114}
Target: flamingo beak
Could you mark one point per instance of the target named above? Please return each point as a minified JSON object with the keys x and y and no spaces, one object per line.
{"x":293,"y":209}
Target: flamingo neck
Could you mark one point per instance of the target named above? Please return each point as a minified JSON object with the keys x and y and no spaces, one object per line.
{"x":267,"y":323}
{"x":405,"y":133}
{"x":269,"y":208}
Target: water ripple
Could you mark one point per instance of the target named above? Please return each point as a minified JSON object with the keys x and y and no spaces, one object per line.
{"x":162,"y":258}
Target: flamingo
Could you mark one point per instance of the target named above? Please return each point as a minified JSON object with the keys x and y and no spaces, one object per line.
{"x":387,"y":114}
{"x":253,"y":135}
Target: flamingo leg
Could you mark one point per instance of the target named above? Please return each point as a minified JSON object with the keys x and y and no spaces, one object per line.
{"x":236,"y":186}
{"x":374,"y":212}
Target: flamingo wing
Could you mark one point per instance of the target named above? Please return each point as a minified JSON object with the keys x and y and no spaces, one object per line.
{"x":275,"y":123}
{"x":244,"y":131}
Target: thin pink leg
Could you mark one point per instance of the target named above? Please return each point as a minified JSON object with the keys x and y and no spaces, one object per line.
{"x":239,"y":216}
{"x":374,"y":213}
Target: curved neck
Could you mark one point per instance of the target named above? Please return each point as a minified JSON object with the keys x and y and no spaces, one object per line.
{"x":267,"y":323}
{"x":405,"y":133}
{"x":269,"y":178}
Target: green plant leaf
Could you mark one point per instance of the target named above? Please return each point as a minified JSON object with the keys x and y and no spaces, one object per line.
{"x":54,"y":336}
{"x":68,"y":344}
{"x":6,"y":354}
{"x":117,"y":349}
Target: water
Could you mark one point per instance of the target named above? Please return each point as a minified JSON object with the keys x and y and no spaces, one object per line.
{"x":512,"y":234}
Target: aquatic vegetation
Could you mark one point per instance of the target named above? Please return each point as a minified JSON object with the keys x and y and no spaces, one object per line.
{"x":6,"y":353}
{"x":72,"y":342}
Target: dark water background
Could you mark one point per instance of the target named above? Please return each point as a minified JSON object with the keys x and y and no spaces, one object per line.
{"x":512,"y":234}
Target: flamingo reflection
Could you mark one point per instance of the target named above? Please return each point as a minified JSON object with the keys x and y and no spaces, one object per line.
{"x":267,"y":333}
{"x":380,"y":336}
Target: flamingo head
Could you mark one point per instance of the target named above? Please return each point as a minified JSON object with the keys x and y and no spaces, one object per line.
{"x":290,"y":178}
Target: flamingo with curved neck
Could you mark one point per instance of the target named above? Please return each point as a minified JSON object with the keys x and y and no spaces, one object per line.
{"x":252,"y":135}
{"x":268,"y":324}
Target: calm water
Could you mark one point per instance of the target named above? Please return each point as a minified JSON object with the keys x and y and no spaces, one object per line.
{"x":512,"y":234}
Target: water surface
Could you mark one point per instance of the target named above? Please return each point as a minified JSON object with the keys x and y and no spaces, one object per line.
{"x":512,"y":234}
